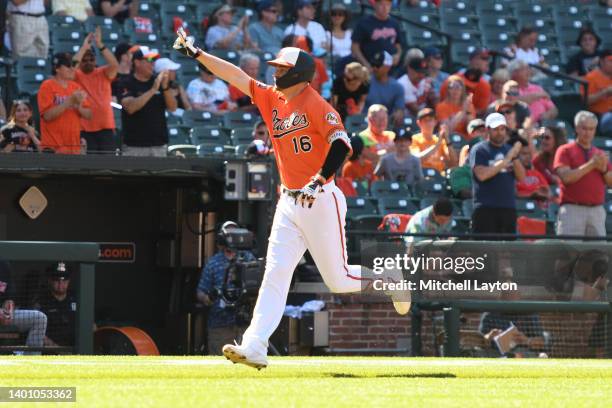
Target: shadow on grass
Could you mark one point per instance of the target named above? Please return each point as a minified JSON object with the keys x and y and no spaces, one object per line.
{"x":398,"y":375}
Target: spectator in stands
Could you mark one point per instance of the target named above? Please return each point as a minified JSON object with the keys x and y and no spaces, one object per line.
{"x":350,"y":90}
{"x":145,"y":99}
{"x":306,"y":26}
{"x":435,"y":151}
{"x":600,"y":91}
{"x":456,"y":110}
{"x":59,"y":305}
{"x":19,"y":134}
{"x":524,"y":48}
{"x":585,"y":173}
{"x":32,"y":322}
{"x":357,"y":167}
{"x":551,"y":138}
{"x":538,"y":100}
{"x":529,"y":339}
{"x":534,"y":185}
{"x":510,"y":95}
{"x":400,"y":165}
{"x":176,"y":89}
{"x":460,"y":177}
{"x":223,"y":324}
{"x":250,"y":64}
{"x":585,"y":60}
{"x":475,"y":79}
{"x":62,"y":103}
{"x":338,"y":39}
{"x":120,"y":10}
{"x":495,"y":168}
{"x":99,"y":131}
{"x":265,"y":34}
{"x":498,"y":79}
{"x":375,"y":33}
{"x":377,"y":140}
{"x":79,"y":9}
{"x":385,"y":90}
{"x":29,"y":31}
{"x":433,"y":57}
{"x":209,"y":93}
{"x":305,"y":43}
{"x":435,"y":219}
{"x":224,"y":36}
{"x":417,"y":86}
{"x":261,"y":144}
{"x":123,"y":55}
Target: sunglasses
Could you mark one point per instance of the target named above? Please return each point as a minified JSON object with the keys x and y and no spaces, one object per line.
{"x":455,"y":85}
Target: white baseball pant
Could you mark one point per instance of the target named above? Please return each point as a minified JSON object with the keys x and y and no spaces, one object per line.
{"x":319,"y":229}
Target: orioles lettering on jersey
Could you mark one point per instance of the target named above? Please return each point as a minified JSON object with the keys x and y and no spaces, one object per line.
{"x":283,"y":126}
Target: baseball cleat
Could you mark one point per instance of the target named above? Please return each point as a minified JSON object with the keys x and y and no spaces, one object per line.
{"x":244,"y":355}
{"x":402,"y":299}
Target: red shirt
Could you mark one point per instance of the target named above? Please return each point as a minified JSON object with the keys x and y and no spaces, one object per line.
{"x":590,"y":189}
{"x":530,"y":184}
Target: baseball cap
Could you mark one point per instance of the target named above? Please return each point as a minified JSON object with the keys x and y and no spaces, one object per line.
{"x":381,"y":58}
{"x":289,"y":57}
{"x":418,"y":64}
{"x":62,"y":59}
{"x":304,"y":3}
{"x":265,"y":5}
{"x":224,"y":9}
{"x":495,"y":120}
{"x":432,"y":52}
{"x":58,"y":271}
{"x":426,"y":112}
{"x":479,"y":52}
{"x":475,"y":124}
{"x":163,"y":64}
{"x":143,"y":52}
{"x":404,"y":135}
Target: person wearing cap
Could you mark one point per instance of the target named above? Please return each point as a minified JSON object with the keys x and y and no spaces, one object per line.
{"x":495,"y":169}
{"x":460,"y":177}
{"x":306,"y":26}
{"x":209,"y":93}
{"x":587,"y":59}
{"x":400,"y":165}
{"x":225,"y":36}
{"x":57,"y":302}
{"x":417,"y":87}
{"x":384,"y":89}
{"x":79,"y":9}
{"x":433,"y":57}
{"x":585,"y":172}
{"x":435,"y":151}
{"x":28,"y":28}
{"x":119,"y":10}
{"x":145,"y":99}
{"x":266,"y":35}
{"x":600,"y":91}
{"x":62,"y":103}
{"x":176,"y":89}
{"x":538,"y":100}
{"x":339,"y":37}
{"x":123,"y":55}
{"x":358,"y":168}
{"x":510,"y":95}
{"x":457,"y":109}
{"x":99,"y":131}
{"x":378,"y":32}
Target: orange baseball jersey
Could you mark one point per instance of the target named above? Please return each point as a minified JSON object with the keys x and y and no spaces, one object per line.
{"x":302,"y":131}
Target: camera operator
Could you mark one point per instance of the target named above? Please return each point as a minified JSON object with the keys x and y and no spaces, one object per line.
{"x":219,"y":278}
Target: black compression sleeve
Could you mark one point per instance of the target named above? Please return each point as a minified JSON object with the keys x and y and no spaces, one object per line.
{"x":335,"y":157}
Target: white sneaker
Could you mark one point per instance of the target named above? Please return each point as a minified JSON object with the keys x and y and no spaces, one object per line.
{"x":245,"y":355}
{"x":402,"y":299}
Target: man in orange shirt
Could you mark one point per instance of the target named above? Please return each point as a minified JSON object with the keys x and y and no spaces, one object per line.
{"x":358,"y":168}
{"x":310,"y":144}
{"x":377,"y":141}
{"x":435,"y":152}
{"x":600,"y":91}
{"x":62,"y":104}
{"x":99,"y":131}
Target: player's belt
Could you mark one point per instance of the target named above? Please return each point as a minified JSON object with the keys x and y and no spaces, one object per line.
{"x":291,"y":193}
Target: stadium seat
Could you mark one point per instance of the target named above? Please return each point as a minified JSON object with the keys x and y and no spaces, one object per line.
{"x":458,"y":6}
{"x":423,"y":37}
{"x":227,"y":55}
{"x":182,"y":150}
{"x":232,"y":120}
{"x":208,"y":149}
{"x":101,"y":21}
{"x":30,"y":74}
{"x":54,"y":21}
{"x":242,"y":135}
{"x":530,"y":226}
{"x":368,"y":222}
{"x":345,"y":184}
{"x":67,"y":38}
{"x":493,"y":8}
{"x":241,"y":150}
{"x":208,"y":135}
{"x":357,"y":206}
{"x":388,"y":205}
{"x":153,"y":41}
{"x":189,"y":69}
{"x":431,"y":187}
{"x":530,"y":208}
{"x":178,"y":135}
{"x":532,"y":10}
{"x":355,"y":123}
{"x":460,"y":226}
{"x":199,"y":118}
{"x":383,"y":188}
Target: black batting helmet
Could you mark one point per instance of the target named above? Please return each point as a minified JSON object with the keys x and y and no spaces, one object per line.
{"x":301,"y":67}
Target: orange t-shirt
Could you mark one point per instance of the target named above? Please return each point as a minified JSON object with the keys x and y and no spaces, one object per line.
{"x":598,"y":82}
{"x":358,"y":171}
{"x":436,"y":160}
{"x":445,"y":110}
{"x":301,"y":130}
{"x":63,"y":134}
{"x":98,"y":88}
{"x":481,"y":91}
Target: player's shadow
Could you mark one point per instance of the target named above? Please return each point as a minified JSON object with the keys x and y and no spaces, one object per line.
{"x":397,"y":375}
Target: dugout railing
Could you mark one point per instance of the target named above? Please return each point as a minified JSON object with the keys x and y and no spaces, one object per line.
{"x":85,"y":254}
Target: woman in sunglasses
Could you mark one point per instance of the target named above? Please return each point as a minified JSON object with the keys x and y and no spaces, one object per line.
{"x":19,"y":135}
{"x":457,"y":108}
{"x":339,"y":36}
{"x":551,"y":138}
{"x":351,"y":89}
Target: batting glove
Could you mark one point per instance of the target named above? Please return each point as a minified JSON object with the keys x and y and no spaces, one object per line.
{"x":185,"y":45}
{"x":307,"y":194}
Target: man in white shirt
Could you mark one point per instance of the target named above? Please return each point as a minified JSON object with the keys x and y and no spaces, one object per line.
{"x":416,"y":84}
{"x":79,"y":9}
{"x":305,"y":26}
{"x":209,"y":93}
{"x":28,"y":28}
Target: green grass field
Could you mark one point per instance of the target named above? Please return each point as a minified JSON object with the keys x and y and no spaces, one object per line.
{"x":316,"y":381}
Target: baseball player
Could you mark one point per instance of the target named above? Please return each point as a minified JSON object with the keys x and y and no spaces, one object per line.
{"x":310,"y":144}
